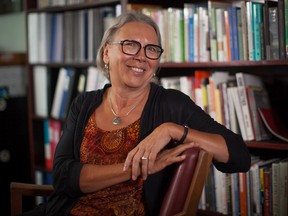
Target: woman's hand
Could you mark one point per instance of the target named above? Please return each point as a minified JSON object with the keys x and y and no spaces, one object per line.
{"x":144,"y":155}
{"x":147,"y":148}
{"x":166,"y":158}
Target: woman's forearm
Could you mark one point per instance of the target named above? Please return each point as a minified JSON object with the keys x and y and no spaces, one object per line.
{"x":97,"y":177}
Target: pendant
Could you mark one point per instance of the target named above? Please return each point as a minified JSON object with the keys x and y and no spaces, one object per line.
{"x":116,"y":120}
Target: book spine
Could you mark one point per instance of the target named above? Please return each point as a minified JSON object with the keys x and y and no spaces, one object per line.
{"x":257,"y":19}
{"x":213,"y":35}
{"x":249,"y":16}
{"x":286,"y":25}
{"x":274,"y":35}
{"x":281,"y":29}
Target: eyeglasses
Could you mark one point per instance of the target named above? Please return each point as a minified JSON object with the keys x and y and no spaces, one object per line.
{"x":131,"y":47}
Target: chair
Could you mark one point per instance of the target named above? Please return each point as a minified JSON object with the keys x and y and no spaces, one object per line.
{"x":185,"y":189}
{"x":181,"y":198}
{"x":18,"y":190}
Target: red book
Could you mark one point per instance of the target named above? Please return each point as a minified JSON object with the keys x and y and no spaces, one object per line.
{"x":243,"y":194}
{"x":273,"y":123}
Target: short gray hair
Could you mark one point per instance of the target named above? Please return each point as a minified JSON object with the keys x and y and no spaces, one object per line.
{"x":130,"y":16}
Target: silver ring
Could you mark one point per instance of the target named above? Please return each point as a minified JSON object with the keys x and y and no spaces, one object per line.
{"x":144,"y":158}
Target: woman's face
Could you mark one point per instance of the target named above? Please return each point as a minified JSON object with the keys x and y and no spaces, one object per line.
{"x":133,"y":71}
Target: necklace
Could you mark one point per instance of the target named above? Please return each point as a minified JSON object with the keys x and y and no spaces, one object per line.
{"x":117,"y":119}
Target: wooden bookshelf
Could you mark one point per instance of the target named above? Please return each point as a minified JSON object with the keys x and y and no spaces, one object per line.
{"x":273,"y":72}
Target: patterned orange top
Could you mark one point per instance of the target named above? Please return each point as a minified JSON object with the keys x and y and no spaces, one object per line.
{"x":104,"y":148}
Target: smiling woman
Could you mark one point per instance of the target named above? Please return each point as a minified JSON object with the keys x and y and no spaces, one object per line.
{"x":115,"y":152}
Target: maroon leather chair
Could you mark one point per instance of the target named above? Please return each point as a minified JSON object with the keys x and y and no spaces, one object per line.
{"x":186,"y":187}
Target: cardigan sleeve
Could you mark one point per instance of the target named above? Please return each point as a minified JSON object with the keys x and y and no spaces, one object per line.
{"x":239,"y":156}
{"x":66,"y":165}
{"x":184,"y":111}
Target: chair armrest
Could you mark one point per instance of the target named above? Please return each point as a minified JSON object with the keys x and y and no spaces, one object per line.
{"x":18,"y":190}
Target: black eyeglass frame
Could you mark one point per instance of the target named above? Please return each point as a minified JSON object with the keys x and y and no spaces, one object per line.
{"x":140,"y":46}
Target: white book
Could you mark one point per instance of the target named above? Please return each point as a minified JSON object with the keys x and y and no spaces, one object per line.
{"x":246,"y":113}
{"x":249,"y":31}
{"x":233,"y":91}
{"x":58,"y":95}
{"x":249,"y":80}
{"x":220,"y":32}
{"x":44,"y":38}
{"x":40,"y":77}
{"x":245,"y":80}
{"x":233,"y":125}
{"x":33,"y":24}
{"x":95,"y":79}
{"x":91,"y":79}
{"x":204,"y":54}
{"x":170,"y":82}
{"x":186,"y":85}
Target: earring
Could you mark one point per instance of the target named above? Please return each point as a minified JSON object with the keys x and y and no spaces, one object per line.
{"x":106,"y":66}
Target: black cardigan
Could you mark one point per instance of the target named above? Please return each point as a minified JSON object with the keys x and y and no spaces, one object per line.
{"x":162,"y":106}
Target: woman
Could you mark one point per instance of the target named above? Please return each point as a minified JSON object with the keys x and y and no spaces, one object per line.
{"x":118,"y":142}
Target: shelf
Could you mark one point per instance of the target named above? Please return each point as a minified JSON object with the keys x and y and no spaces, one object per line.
{"x":258,"y":67}
{"x":58,"y":65}
{"x":73,"y":7}
{"x":10,"y":58}
{"x":275,"y":145}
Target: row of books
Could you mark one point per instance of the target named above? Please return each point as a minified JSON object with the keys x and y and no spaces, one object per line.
{"x":238,"y":101}
{"x":53,"y":3}
{"x":55,"y":90}
{"x":42,"y":178}
{"x":223,"y":31}
{"x":72,"y":36}
{"x":52,"y":130}
{"x":260,"y":191}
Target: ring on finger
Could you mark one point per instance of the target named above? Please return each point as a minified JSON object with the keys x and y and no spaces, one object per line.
{"x":144,"y":158}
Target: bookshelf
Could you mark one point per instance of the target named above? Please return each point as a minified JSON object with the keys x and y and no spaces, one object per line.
{"x":273,"y":72}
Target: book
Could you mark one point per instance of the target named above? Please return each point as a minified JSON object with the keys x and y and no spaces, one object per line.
{"x":286,"y":25}
{"x":234,"y":94}
{"x":267,"y":196}
{"x":283,"y":170}
{"x":232,"y":124}
{"x":244,"y":81}
{"x":40,"y":87}
{"x":276,"y":188}
{"x":59,"y":92}
{"x":33,"y":23}
{"x":47,"y":145}
{"x":55,"y":129}
{"x":274,"y":34}
{"x":250,"y":31}
{"x":273,"y":123}
{"x":281,"y":29}
{"x":257,"y":23}
{"x":258,"y":98}
{"x":69,"y":92}
{"x":43,"y":38}
{"x":267,"y":22}
{"x":243,"y":196}
{"x":188,"y":11}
